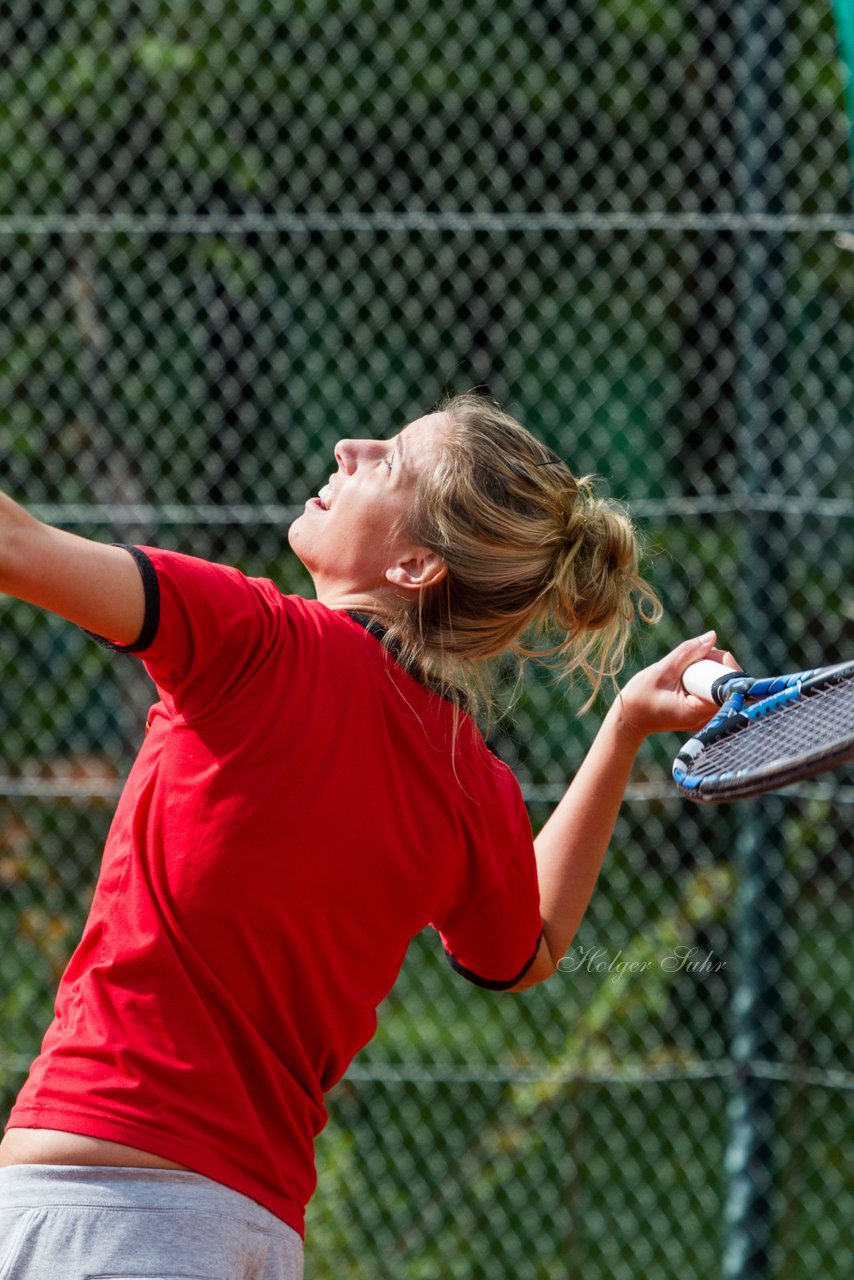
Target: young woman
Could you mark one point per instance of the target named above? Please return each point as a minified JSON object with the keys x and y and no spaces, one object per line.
{"x":312,"y":791}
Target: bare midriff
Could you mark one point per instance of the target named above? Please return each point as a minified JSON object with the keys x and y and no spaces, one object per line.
{"x":52,"y":1146}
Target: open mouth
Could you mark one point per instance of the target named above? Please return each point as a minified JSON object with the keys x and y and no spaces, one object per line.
{"x":325,"y":497}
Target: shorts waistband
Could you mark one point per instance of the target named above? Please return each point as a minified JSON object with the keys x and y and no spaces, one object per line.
{"x":118,"y":1186}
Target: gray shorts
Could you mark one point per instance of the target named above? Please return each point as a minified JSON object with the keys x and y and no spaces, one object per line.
{"x":91,"y":1222}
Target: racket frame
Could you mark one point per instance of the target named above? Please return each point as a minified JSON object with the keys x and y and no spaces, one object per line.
{"x":744,"y":700}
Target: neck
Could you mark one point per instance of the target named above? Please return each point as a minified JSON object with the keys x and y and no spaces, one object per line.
{"x":351,"y":601}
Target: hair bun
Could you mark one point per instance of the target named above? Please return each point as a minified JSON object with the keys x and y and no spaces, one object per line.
{"x":533,"y":556}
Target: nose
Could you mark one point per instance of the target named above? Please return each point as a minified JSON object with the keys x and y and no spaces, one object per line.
{"x":345,"y":456}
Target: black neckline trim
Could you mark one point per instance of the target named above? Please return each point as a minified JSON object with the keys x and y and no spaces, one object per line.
{"x":376,"y":629}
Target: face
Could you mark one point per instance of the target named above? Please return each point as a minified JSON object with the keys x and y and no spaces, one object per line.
{"x":346,"y":536}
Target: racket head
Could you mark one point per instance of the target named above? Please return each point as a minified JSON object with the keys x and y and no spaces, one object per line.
{"x":770,"y":733}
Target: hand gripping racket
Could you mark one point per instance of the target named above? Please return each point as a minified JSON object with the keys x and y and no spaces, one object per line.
{"x":768,"y":732}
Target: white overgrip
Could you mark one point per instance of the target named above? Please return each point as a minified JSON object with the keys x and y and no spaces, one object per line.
{"x":700,"y":676}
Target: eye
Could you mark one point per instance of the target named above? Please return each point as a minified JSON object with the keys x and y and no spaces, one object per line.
{"x":389,"y":460}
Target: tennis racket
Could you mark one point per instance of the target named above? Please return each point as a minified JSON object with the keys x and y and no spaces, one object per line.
{"x":767,"y":733}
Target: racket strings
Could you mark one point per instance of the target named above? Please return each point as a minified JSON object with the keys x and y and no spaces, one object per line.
{"x":820,"y":724}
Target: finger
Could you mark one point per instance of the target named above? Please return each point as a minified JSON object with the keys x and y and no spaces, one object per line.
{"x":690,"y":649}
{"x":701,"y":667}
{"x":724,"y":656}
{"x":693,"y":650}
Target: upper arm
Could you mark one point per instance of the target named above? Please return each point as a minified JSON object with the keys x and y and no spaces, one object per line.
{"x":92,"y":584}
{"x":201,"y":629}
{"x":492,"y":929}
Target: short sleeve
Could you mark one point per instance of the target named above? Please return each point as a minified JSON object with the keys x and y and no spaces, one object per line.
{"x":207,"y":627}
{"x":492,"y":933}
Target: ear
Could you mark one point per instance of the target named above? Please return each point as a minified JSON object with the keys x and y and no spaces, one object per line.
{"x":422,"y":569}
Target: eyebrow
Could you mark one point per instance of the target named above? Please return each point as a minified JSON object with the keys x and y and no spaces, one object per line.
{"x":398,"y":441}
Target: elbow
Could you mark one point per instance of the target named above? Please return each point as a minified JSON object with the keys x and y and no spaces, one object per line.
{"x":532,"y":980}
{"x":17,"y":530}
{"x":10,"y":540}
{"x":542,"y":968}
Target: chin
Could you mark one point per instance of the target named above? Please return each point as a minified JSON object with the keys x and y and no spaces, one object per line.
{"x":295,"y":541}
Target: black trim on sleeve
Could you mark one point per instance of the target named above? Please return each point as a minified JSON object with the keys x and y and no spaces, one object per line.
{"x":151,"y":619}
{"x":490,"y":983}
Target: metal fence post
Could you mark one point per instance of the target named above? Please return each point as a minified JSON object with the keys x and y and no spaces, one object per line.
{"x":844,"y":10}
{"x":756,"y":1001}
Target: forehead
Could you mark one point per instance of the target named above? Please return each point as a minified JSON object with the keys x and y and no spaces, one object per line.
{"x":422,"y":437}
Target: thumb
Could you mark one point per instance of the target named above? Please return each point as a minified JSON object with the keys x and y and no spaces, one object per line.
{"x":697,"y":647}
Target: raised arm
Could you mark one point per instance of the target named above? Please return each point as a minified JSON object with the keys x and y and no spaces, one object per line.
{"x":90,"y":583}
{"x":572,"y":845}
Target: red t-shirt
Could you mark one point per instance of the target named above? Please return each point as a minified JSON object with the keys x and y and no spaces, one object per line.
{"x":294,"y":817}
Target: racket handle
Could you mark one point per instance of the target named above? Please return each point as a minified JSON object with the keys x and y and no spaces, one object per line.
{"x":702,"y":677}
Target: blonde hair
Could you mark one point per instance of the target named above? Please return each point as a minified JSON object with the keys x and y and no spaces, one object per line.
{"x":538,"y":566}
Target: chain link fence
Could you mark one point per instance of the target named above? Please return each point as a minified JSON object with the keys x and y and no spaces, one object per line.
{"x":234,"y":232}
